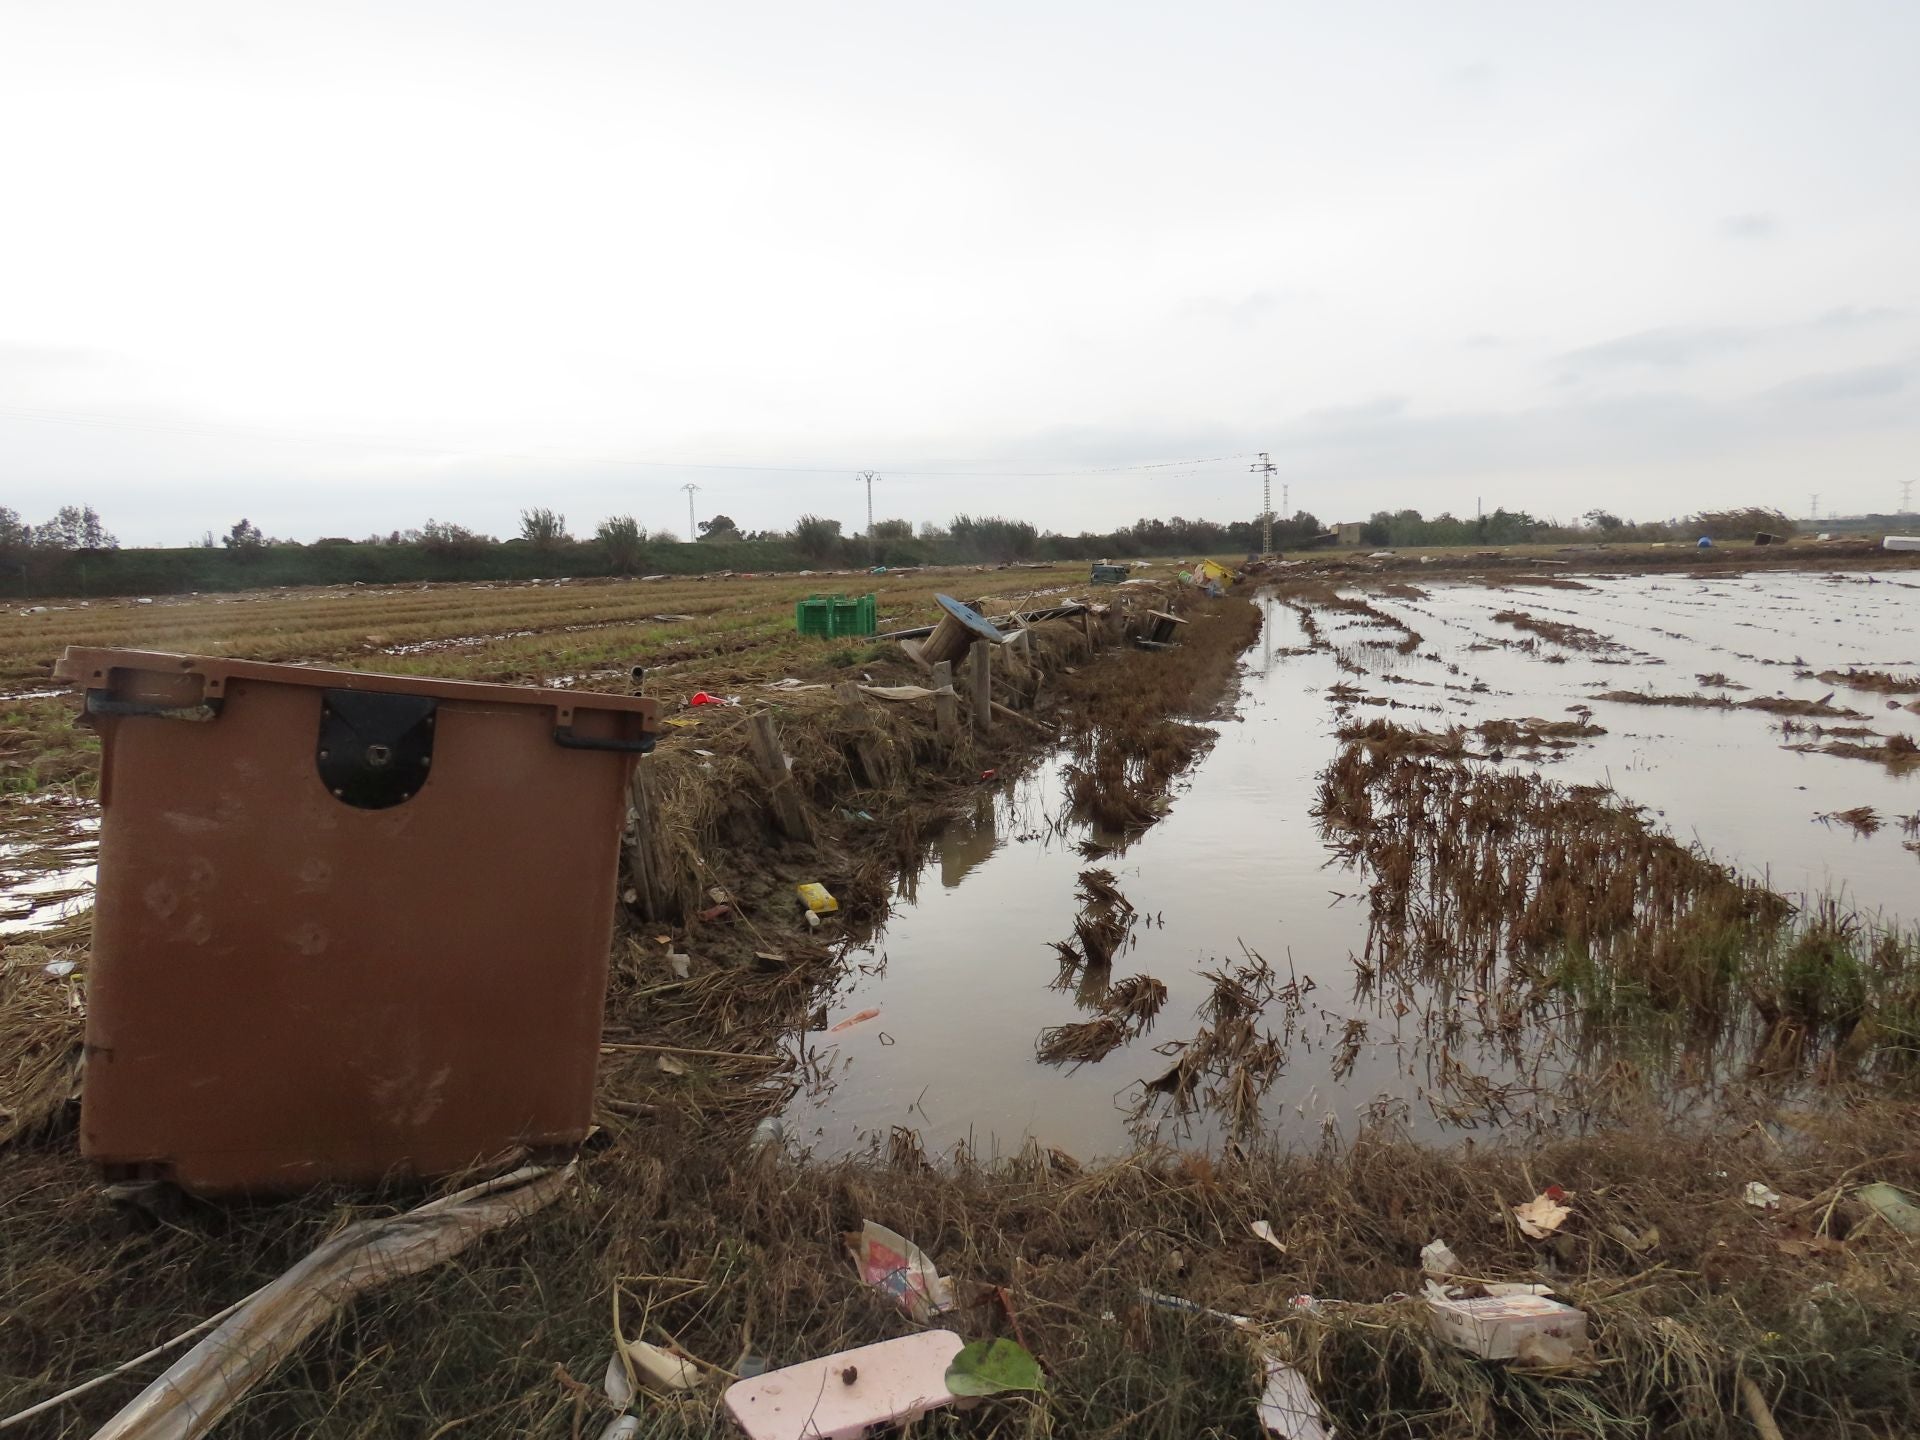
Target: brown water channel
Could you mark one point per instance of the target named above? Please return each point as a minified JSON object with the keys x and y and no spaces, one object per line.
{"x":964,"y":974}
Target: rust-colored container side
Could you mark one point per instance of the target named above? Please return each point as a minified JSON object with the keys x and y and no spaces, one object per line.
{"x":348,"y":926}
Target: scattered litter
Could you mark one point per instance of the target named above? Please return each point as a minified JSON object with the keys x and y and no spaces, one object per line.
{"x":1894,"y":1206}
{"x":843,"y":1396}
{"x":1503,"y":1289}
{"x":898,"y":692}
{"x":60,"y":969}
{"x":1640,"y":1244}
{"x":718,"y":893}
{"x":670,"y":1066}
{"x":661,"y":1368}
{"x":1265,"y":1232}
{"x":817,"y":898}
{"x":893,"y":1264}
{"x":1541,"y":1216}
{"x":1190,"y":1307}
{"x":992,"y":1367}
{"x":989,"y":774}
{"x":769,"y":1133}
{"x":619,"y":1389}
{"x":716,"y":912}
{"x":1760,"y":1197}
{"x":1287,"y":1406}
{"x":1494,"y":1327}
{"x":1437,"y":1258}
{"x":853,"y":1020}
{"x":860,"y":815}
{"x":682,"y":964}
{"x":701,"y":697}
{"x":626,"y":1427}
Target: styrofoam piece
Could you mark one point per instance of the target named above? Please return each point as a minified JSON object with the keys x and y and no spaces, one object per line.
{"x":1901,"y":542}
{"x":1287,"y":1406}
{"x":1495,"y":1327}
{"x":839,"y":1396}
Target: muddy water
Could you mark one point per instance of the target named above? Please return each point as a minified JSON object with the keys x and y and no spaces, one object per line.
{"x":963,"y":977}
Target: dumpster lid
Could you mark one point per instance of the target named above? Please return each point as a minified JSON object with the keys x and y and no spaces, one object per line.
{"x":85,"y":667}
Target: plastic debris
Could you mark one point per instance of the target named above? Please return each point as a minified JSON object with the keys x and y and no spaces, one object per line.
{"x":817,"y":898}
{"x":992,"y":1367}
{"x":60,"y":969}
{"x":1639,"y":1244}
{"x":1191,"y":1307}
{"x":1437,"y":1258}
{"x":1760,"y":1197}
{"x":843,"y":1396}
{"x":661,"y":1368}
{"x":667,"y":1065}
{"x":853,"y":1020}
{"x":893,"y":1264}
{"x":681,"y":965}
{"x":770,"y":1132}
{"x":1265,"y":1232}
{"x":715,"y":912}
{"x":1287,"y":1406}
{"x":1893,"y":1205}
{"x":1541,"y":1216}
{"x":1493,"y":1327}
{"x":701,"y":697}
{"x":618,"y":1387}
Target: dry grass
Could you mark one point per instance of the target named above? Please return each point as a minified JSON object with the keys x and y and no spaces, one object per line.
{"x":1573,"y":637}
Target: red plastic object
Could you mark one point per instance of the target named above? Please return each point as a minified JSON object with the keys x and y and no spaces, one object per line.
{"x":700,"y":697}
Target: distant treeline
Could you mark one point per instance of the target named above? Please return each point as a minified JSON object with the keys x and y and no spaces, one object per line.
{"x":1516,"y":527}
{"x":74,"y":554}
{"x":56,"y":561}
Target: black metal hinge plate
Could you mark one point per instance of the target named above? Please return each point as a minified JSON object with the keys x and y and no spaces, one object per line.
{"x":375,"y":749}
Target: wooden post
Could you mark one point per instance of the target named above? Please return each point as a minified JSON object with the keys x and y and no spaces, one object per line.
{"x":646,"y":900}
{"x":868,"y":756}
{"x":983,"y":687}
{"x":788,"y":811}
{"x":946,"y":705}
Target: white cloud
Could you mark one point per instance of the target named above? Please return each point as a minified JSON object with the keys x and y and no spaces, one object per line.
{"x":342,"y":266}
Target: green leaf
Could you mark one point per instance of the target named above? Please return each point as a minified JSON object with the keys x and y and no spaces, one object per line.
{"x":987,"y":1367}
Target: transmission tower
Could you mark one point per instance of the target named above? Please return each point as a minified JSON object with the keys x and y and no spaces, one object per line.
{"x":1264,"y":468}
{"x":1813,"y":505}
{"x":690,"y":487}
{"x":869,"y":477}
{"x":1906,"y":497}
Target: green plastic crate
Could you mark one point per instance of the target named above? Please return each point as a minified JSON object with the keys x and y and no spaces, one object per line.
{"x":830,"y":616}
{"x":814,"y":616}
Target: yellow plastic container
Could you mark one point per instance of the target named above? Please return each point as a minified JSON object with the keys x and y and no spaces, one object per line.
{"x":818,"y":899}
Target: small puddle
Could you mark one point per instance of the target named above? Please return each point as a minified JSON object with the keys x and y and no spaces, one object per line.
{"x":48,"y":858}
{"x":1239,"y":881}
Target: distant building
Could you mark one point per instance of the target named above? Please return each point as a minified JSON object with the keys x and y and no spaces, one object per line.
{"x":1349,"y":532}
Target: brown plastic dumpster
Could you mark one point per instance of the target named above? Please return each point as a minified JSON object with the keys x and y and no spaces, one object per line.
{"x":347,"y":926}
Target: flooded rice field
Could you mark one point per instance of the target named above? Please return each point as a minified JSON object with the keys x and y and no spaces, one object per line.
{"x":1473,"y":857}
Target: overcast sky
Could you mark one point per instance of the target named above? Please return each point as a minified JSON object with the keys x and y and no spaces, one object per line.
{"x":342,"y":267}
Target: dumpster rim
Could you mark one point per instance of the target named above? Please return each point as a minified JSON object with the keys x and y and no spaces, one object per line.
{"x":83,"y":666}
